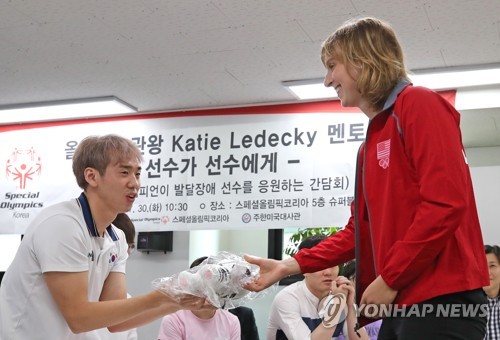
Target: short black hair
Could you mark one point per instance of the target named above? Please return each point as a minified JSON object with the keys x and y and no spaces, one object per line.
{"x":198,"y":261}
{"x":311,"y":241}
{"x":349,"y":269}
{"x":493,"y":250}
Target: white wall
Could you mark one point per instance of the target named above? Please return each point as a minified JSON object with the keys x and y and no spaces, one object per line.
{"x":205,"y":243}
{"x":483,"y":157}
{"x":143,"y":268}
{"x":485,"y":171}
{"x":487,"y":190}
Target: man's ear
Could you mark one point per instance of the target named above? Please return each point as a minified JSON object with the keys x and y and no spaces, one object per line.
{"x":91,"y":176}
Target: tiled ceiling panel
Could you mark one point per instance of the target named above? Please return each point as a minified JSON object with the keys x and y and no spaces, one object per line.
{"x":162,"y":55}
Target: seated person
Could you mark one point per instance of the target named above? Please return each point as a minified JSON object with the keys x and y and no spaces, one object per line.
{"x":248,"y":326}
{"x":206,"y":323}
{"x":492,"y":291}
{"x":371,"y":330}
{"x":294,"y":312}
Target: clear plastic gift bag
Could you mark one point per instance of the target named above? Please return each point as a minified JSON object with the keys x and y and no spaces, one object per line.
{"x":219,"y":278}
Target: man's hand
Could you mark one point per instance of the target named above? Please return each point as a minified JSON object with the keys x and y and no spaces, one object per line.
{"x":180,"y":301}
{"x":192,"y":302}
{"x":271,"y":271}
{"x":344,"y":285}
{"x":378,"y":293}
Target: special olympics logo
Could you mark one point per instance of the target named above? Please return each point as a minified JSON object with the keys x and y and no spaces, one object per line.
{"x":23,"y":165}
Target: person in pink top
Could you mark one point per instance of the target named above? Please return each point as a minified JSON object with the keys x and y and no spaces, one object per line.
{"x":206,"y":323}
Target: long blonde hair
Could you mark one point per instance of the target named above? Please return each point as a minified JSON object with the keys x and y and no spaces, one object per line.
{"x":371,"y":46}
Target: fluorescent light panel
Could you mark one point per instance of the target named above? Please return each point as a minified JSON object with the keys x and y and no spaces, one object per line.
{"x":436,"y":80}
{"x":310,"y":89}
{"x":64,"y":110}
{"x":446,"y":80}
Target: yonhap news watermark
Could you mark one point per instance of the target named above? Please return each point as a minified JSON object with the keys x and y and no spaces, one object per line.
{"x":452,"y":310}
{"x":333,"y":310}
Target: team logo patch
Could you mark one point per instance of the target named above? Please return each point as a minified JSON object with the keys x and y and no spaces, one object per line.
{"x":112,"y":257}
{"x":383,"y":153}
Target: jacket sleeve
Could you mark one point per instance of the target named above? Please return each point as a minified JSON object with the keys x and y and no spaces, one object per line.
{"x":433,"y":145}
{"x":333,"y":251}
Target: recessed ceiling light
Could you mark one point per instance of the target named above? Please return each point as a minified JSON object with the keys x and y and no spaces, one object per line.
{"x":64,"y":109}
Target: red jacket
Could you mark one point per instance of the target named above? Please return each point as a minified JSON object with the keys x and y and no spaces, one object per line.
{"x":414,"y":204}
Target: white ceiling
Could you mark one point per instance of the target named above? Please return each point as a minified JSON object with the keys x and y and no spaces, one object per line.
{"x":164,"y":55}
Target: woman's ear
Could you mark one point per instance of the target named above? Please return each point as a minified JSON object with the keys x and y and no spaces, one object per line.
{"x":91,"y":176}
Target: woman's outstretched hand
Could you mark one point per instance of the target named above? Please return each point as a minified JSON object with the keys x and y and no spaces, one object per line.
{"x":271,"y":271}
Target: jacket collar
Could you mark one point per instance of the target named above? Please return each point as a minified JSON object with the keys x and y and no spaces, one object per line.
{"x":89,"y":220}
{"x":401,"y":84}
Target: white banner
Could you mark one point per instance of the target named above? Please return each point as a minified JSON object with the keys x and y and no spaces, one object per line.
{"x":200,"y":172}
